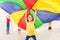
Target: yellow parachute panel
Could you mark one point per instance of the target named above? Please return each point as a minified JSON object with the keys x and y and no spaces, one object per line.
{"x":17,"y":15}
{"x":48,"y":5}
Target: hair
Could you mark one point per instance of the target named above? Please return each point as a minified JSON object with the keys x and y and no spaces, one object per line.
{"x":32,"y":18}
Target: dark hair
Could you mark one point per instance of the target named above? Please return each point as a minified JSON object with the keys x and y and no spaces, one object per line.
{"x":32,"y":18}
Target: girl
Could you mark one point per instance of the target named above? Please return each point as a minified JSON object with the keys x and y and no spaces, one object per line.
{"x":19,"y":30}
{"x":49,"y":24}
{"x":30,"y":28}
{"x":8,"y":24}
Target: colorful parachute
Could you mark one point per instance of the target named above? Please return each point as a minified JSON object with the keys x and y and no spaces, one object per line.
{"x":47,"y":10}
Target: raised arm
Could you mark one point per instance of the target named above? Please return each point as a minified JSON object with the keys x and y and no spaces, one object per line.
{"x":35,"y":16}
{"x":26,"y":16}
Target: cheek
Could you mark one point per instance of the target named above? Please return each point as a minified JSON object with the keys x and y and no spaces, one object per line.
{"x":30,"y":18}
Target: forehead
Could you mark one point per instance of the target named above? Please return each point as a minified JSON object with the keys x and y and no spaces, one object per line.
{"x":30,"y":16}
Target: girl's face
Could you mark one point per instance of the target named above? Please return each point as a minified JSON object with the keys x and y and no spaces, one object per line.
{"x":8,"y":16}
{"x":30,"y":18}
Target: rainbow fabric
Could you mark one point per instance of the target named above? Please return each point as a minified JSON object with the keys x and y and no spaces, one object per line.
{"x":47,"y":10}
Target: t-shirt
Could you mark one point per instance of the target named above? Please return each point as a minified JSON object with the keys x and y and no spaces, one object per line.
{"x":30,"y":29}
{"x":8,"y":21}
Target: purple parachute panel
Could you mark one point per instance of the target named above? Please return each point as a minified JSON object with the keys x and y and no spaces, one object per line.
{"x":46,"y":16}
{"x":10,"y":7}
